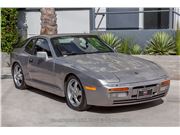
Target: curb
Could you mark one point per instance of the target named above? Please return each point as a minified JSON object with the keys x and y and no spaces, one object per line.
{"x":6,"y":73}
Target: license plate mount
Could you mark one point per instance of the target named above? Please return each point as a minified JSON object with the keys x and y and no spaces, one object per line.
{"x":145,"y":92}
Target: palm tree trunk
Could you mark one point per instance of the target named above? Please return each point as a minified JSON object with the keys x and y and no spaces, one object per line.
{"x":48,"y":21}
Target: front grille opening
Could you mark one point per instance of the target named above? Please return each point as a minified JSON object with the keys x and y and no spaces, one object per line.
{"x":138,"y":87}
{"x":145,"y":86}
{"x":134,"y":96}
{"x":154,"y":93}
{"x":152,"y":85}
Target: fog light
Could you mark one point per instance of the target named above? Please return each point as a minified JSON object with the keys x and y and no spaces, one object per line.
{"x":113,"y":95}
{"x":122,"y":94}
{"x":118,"y":95}
{"x":164,"y":88}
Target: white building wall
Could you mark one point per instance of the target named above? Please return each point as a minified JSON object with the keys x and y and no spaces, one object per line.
{"x":73,"y":21}
{"x":98,"y":18}
{"x":141,"y":18}
{"x":33,"y":23}
{"x":176,"y":18}
{"x":68,"y":22}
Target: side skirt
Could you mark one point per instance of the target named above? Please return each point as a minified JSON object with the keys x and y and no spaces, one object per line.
{"x":46,"y":87}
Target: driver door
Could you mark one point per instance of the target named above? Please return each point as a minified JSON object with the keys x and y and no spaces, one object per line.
{"x":41,"y":70}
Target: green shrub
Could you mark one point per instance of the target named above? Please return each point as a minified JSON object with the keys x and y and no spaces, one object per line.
{"x":136,"y":49}
{"x":111,"y":39}
{"x":125,"y":45}
{"x":9,"y":31}
{"x":178,"y":40}
{"x":161,"y":44}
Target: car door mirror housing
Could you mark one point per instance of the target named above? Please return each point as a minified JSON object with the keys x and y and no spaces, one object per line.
{"x":42,"y":55}
{"x":115,"y":49}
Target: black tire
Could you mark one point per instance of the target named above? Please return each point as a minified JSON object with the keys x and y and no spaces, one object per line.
{"x":83,"y":105}
{"x":23,"y":85}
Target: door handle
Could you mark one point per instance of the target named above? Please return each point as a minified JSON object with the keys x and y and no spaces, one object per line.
{"x":30,"y":60}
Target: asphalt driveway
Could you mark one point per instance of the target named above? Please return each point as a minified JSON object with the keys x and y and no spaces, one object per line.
{"x":33,"y":107}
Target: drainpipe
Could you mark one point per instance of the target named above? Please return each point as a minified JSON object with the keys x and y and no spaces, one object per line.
{"x":141,"y":18}
{"x":92,"y":19}
{"x":171,"y":18}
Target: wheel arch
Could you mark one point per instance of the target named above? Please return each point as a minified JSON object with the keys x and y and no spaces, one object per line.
{"x":68,"y":75}
{"x":15,"y":62}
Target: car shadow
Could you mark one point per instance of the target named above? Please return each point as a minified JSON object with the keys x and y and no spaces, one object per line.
{"x":100,"y":109}
{"x":128,"y":108}
{"x":46,"y":94}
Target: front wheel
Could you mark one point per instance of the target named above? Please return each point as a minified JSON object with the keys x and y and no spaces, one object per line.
{"x":18,"y":77}
{"x":75,"y":95}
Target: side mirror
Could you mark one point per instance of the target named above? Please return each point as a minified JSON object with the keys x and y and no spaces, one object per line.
{"x":42,"y":55}
{"x":115,"y":49}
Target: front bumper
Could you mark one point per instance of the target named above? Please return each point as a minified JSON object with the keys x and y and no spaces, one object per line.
{"x":101,"y":97}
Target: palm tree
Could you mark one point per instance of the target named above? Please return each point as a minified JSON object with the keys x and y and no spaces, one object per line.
{"x":48,"y":21}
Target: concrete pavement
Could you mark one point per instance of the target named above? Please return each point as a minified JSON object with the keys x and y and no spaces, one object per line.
{"x":33,"y":107}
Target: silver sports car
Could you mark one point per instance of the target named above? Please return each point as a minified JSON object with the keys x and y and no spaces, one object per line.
{"x":85,"y":70}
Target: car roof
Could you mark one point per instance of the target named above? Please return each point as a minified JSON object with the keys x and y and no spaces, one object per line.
{"x":67,"y":34}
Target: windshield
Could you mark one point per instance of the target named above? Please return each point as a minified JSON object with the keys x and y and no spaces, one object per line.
{"x":76,"y":45}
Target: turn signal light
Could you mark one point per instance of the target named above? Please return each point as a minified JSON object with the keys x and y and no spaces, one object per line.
{"x":90,"y":88}
{"x":118,"y":89}
{"x":165,"y":83}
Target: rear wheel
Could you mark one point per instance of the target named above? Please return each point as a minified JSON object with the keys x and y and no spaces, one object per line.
{"x":75,"y":95}
{"x":18,"y":77}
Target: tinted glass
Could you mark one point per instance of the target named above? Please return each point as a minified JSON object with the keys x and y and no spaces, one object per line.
{"x":29,"y":46}
{"x":42,"y":46}
{"x":76,"y":45}
{"x":156,"y":20}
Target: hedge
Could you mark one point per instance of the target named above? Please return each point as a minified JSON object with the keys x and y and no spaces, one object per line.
{"x":9,"y":30}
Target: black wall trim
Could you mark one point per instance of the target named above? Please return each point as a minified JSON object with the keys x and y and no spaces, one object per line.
{"x":122,"y":28}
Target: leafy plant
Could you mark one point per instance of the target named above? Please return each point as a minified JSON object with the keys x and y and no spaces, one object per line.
{"x":136,"y":49}
{"x":129,"y":47}
{"x":111,"y":39}
{"x":178,"y":40}
{"x":161,"y":44}
{"x":124,"y":46}
{"x":9,"y":31}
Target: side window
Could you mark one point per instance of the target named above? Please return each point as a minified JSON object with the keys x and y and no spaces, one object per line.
{"x":29,"y":46}
{"x":42,"y":45}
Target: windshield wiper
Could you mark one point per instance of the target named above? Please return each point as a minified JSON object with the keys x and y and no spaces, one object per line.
{"x":73,"y":53}
{"x":99,"y":52}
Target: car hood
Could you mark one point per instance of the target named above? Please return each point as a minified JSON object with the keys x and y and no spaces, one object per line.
{"x":114,"y":67}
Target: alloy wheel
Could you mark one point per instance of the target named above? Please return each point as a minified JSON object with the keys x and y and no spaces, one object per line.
{"x":18,"y":75}
{"x":74,"y":92}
